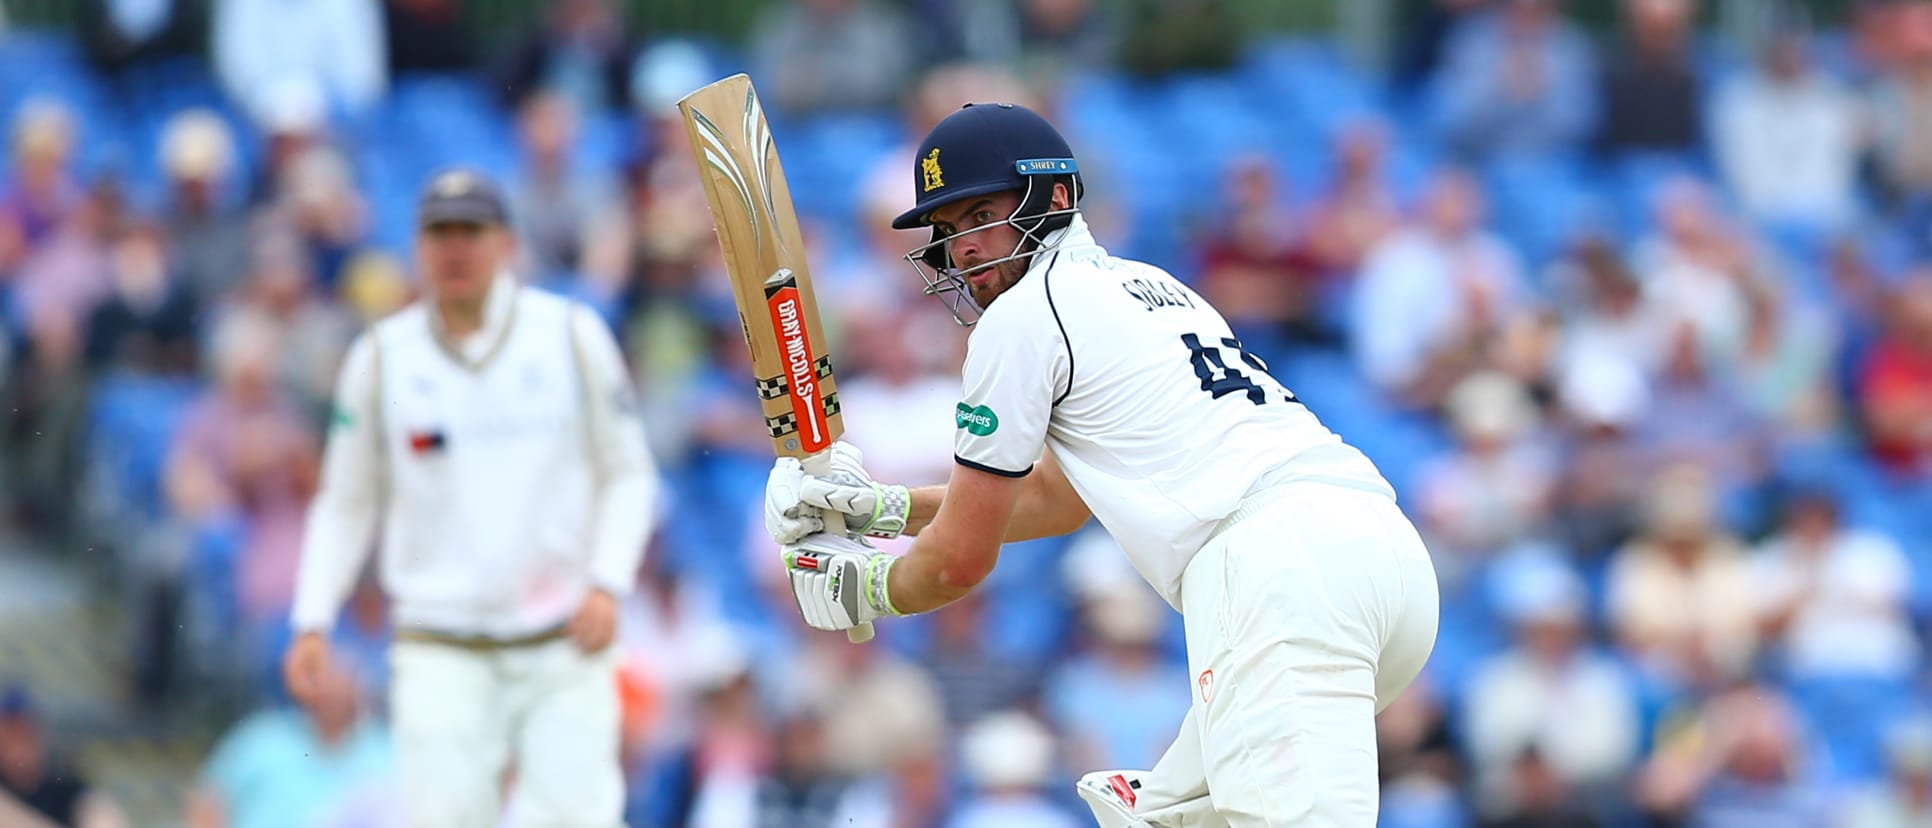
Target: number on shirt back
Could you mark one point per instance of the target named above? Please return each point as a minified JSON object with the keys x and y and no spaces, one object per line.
{"x":1219,"y":379}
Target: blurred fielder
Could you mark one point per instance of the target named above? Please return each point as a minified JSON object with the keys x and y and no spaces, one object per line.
{"x":1103,"y":384}
{"x":493,"y":426}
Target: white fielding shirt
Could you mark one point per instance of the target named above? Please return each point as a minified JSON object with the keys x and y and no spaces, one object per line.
{"x":1162,"y":423}
{"x":509,"y":471}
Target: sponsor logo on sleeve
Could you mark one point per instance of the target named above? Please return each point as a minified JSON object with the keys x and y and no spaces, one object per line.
{"x":976,"y":419}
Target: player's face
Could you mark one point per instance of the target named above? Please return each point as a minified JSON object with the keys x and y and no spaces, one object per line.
{"x":978,"y":234}
{"x":458,"y":260}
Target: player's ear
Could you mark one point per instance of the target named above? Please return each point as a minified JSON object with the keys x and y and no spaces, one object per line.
{"x":1062,"y":198}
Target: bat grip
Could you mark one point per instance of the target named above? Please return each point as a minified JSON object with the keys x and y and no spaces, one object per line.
{"x":821,"y":464}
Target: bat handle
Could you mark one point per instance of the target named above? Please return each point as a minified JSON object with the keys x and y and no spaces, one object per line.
{"x":819,"y":464}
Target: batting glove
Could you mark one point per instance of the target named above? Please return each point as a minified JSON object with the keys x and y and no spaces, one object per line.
{"x":839,"y":582}
{"x":788,"y":519}
{"x":870,"y":507}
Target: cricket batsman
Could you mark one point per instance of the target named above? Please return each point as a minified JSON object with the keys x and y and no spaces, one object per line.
{"x":1100,"y":386}
{"x":492,"y":427}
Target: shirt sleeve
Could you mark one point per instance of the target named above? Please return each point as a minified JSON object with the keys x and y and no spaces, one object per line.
{"x":1017,"y":367}
{"x":342,"y":518}
{"x":626,"y":474}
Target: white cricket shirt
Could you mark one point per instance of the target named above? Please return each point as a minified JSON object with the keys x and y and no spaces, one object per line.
{"x":509,"y":469}
{"x":1159,"y":418}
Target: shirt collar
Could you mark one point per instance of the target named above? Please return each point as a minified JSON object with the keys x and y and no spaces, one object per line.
{"x":499,"y":311}
{"x":1069,"y":238}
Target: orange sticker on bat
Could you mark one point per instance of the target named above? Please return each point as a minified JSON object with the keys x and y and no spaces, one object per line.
{"x":801,"y":372}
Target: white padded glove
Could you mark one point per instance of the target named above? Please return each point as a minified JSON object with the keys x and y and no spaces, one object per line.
{"x":840,"y":583}
{"x":871,"y":508}
{"x":789,"y":519}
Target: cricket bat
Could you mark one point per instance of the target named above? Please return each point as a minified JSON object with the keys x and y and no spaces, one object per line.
{"x":764,"y":253}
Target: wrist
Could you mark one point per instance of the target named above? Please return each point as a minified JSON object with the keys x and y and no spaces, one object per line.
{"x":891,"y":506}
{"x":878,"y":591}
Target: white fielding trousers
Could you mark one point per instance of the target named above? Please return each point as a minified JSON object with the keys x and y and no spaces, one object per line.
{"x":463,"y":717}
{"x":1306,"y":615}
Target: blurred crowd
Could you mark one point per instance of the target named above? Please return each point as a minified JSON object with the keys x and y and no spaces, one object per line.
{"x":1638,"y":320}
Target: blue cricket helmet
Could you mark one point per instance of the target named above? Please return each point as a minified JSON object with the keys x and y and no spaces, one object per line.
{"x":986,"y":148}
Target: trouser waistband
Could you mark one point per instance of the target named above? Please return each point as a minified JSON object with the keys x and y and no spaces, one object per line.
{"x":480,"y":643}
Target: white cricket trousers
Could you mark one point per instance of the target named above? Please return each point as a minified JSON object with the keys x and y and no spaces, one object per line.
{"x":462,"y":717}
{"x":1306,"y":614}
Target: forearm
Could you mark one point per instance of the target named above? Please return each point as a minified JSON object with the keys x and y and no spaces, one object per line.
{"x":923,"y":580}
{"x":625,"y":508}
{"x":335,"y":544}
{"x":1042,"y":511}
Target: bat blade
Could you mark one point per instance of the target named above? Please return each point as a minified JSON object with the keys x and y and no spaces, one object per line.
{"x":764,"y":253}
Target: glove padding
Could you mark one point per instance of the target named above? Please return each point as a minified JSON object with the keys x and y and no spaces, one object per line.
{"x":794,"y":498}
{"x":788,"y":519}
{"x":839,"y":582}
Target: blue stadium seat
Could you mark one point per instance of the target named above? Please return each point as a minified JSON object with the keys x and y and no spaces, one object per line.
{"x":1850,"y":716}
{"x":132,"y":421}
{"x":828,"y":157}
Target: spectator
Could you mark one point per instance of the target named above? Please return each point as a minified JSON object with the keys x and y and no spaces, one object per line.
{"x":1432,"y":297}
{"x":1162,"y":37}
{"x":1895,"y":383}
{"x":1905,"y":799}
{"x":890,"y":714}
{"x":1900,"y":107}
{"x":285,"y":766}
{"x":1421,"y":774}
{"x":43,"y":784}
{"x":1495,"y":488}
{"x":1517,"y":79}
{"x":1680,"y":595}
{"x":1696,"y":416}
{"x":1603,"y":472}
{"x":1651,"y":99}
{"x":147,"y":326}
{"x":831,"y":55}
{"x":1057,"y":37}
{"x":41,"y":446}
{"x":1008,"y":757}
{"x":1548,"y":695}
{"x":1116,"y":703}
{"x":295,"y":120}
{"x":582,"y":52}
{"x":1787,"y":139}
{"x":1784,"y":366}
{"x":1604,"y":313}
{"x":1834,"y":598}
{"x":245,"y":461}
{"x":973,"y":680}
{"x":1541,"y":798}
{"x":317,"y":200}
{"x":1739,"y":766}
{"x":313,"y":334}
{"x":1427,"y":26}
{"x":716,"y":779}
{"x":40,"y":193}
{"x":902,"y":383}
{"x":333,"y":47}
{"x":68,"y":274}
{"x":804,"y":790}
{"x":1697,"y":267}
{"x":209,"y":230}
{"x":1255,"y":265}
{"x":551,"y":201}
{"x":1358,"y":211}
{"x":120,"y":35}
{"x":427,"y":36}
